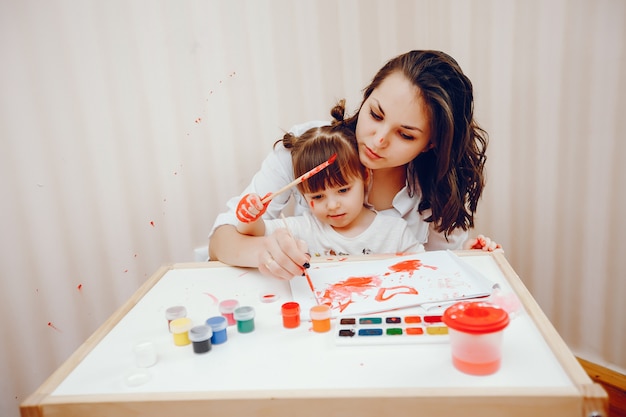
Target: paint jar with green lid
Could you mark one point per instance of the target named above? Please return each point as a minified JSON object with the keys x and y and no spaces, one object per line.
{"x":245,"y":319}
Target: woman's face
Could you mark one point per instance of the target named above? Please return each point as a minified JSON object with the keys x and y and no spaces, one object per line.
{"x":393,"y":126}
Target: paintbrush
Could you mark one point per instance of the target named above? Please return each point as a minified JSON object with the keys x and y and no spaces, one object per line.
{"x":304,"y":268}
{"x":300,"y":179}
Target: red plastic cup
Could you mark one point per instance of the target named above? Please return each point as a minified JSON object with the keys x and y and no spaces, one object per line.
{"x":475,"y":330}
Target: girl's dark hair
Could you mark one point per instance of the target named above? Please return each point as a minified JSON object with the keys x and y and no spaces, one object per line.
{"x":450,"y":174}
{"x":317,"y":145}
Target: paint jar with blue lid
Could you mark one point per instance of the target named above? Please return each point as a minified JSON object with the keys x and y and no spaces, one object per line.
{"x":218,"y":325}
{"x":200,"y":337}
{"x":245,"y":319}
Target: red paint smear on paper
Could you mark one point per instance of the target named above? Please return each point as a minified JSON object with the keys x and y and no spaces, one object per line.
{"x":341,"y":292}
{"x":410,"y":266}
{"x":53,"y":326}
{"x":406,"y":290}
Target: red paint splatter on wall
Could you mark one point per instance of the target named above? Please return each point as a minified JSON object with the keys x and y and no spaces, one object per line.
{"x":53,"y":326}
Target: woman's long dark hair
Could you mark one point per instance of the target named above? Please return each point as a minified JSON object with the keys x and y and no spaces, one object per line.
{"x":450,"y":174}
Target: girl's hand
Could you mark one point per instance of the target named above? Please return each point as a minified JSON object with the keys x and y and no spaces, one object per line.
{"x":283,"y":256}
{"x":484,"y":243}
{"x":250,"y":207}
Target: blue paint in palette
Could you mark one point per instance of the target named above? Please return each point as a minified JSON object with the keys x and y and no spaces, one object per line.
{"x":393,"y":329}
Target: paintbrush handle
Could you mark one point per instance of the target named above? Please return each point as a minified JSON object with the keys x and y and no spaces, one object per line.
{"x":300,"y":179}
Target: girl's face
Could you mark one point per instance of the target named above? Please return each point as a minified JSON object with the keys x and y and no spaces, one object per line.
{"x":393,"y":125}
{"x":338,"y":206}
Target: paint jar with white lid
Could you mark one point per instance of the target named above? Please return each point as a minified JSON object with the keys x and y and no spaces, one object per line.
{"x":173,"y":313}
{"x":320,"y":318}
{"x":476,"y":333}
{"x":200,"y":337}
{"x":227,"y":309}
{"x":245,"y":319}
{"x":218,"y":325}
{"x":180,"y":330}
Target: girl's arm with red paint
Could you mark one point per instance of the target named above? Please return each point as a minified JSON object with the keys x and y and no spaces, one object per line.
{"x":249,"y":214}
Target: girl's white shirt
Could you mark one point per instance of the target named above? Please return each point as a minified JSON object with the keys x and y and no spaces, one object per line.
{"x":277,"y":171}
{"x":386,"y":234}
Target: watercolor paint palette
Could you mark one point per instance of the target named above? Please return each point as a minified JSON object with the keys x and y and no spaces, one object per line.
{"x":390,"y":329}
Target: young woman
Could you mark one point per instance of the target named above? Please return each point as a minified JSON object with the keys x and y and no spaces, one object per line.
{"x":416,"y":133}
{"x":338,"y":222}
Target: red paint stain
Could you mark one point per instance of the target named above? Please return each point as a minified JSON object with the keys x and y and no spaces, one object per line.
{"x":212,"y":297}
{"x":381,"y":296}
{"x":410,"y":266}
{"x":339,"y":295}
{"x":53,"y":326}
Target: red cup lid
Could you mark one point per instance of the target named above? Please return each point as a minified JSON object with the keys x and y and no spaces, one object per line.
{"x":476,"y":317}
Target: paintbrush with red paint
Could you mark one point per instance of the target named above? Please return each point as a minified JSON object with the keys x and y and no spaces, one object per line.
{"x":244,"y":204}
{"x":304,"y":268}
{"x":301,"y":178}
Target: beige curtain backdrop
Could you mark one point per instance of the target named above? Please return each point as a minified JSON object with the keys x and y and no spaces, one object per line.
{"x":126,"y":125}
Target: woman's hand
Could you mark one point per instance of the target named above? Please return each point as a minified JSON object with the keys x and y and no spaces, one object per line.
{"x":251,"y":207}
{"x":283,"y":256}
{"x":483,"y":243}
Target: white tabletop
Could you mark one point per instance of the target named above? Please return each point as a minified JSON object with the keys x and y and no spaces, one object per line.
{"x":275,"y":358}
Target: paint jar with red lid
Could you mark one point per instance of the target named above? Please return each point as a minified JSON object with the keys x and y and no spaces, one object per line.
{"x":291,"y":314}
{"x":476,"y":332}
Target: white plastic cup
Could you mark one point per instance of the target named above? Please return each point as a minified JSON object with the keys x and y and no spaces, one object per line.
{"x":476,"y":332}
{"x":145,"y":354}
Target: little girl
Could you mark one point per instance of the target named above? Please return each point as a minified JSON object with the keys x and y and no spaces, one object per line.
{"x":338,"y":222}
